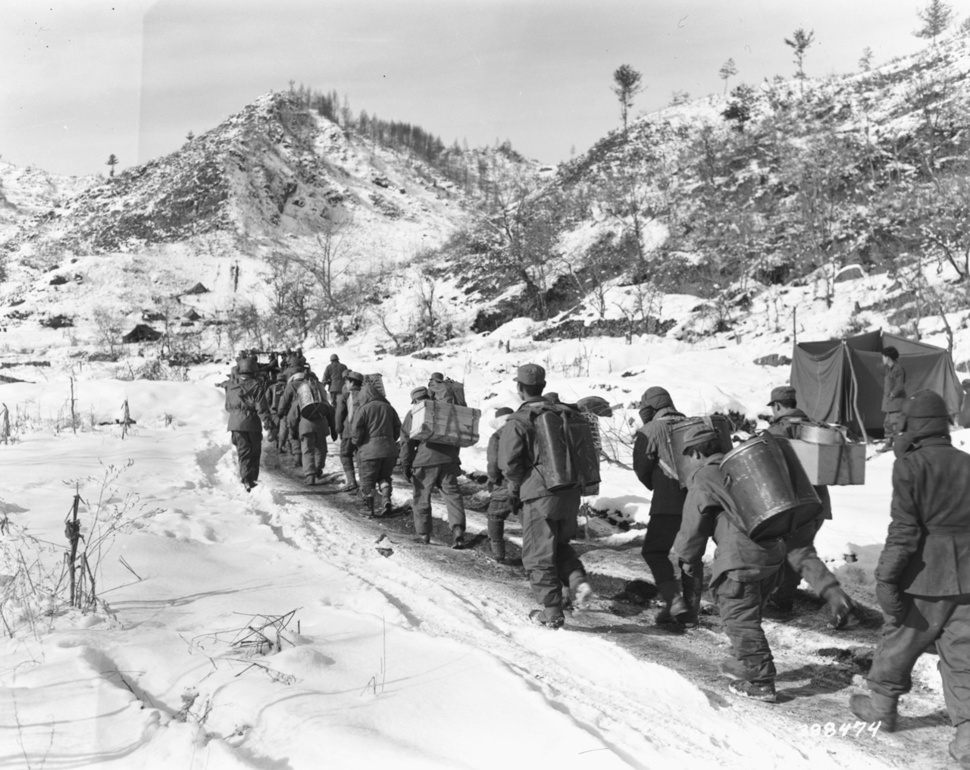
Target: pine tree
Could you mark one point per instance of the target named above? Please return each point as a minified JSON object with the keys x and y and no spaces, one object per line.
{"x":800,"y":41}
{"x":112,"y":162}
{"x":728,"y":70}
{"x":189,"y":136}
{"x":865,"y":61}
{"x":627,"y":85}
{"x":936,"y":17}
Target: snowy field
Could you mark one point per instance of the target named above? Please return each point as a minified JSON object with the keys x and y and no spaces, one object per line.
{"x":383,"y":662}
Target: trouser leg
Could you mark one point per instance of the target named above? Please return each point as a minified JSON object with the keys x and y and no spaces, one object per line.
{"x":897,"y":653}
{"x":739,"y":606}
{"x":954,"y":649}
{"x":496,"y":536}
{"x":657,"y":541}
{"x":539,"y":558}
{"x":448,"y":483}
{"x":422,"y":479}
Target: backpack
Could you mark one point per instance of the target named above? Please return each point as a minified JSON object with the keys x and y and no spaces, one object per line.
{"x":449,"y":391}
{"x":565,"y":451}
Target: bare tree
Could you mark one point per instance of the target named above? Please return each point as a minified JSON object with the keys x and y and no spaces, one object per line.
{"x":112,"y":161}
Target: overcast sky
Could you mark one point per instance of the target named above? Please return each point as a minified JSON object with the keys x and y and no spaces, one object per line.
{"x":86,"y":78}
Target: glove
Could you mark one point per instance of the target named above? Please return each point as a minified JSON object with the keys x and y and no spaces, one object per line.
{"x":408,"y":473}
{"x":890,"y":600}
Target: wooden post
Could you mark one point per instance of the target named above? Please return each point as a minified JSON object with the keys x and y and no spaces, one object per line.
{"x":794,"y":324}
{"x":5,"y":425}
{"x":72,"y":531}
{"x":73,"y":415}
{"x":125,"y":419}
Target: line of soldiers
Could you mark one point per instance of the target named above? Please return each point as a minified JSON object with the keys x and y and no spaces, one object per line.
{"x":923,"y":576}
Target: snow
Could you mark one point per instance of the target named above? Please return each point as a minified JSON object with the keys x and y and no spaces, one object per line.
{"x":390,"y":665}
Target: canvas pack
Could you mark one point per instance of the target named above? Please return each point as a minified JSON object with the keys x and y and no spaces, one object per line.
{"x":442,"y":423}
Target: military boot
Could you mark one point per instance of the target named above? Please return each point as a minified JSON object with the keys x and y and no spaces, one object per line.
{"x":496,"y":537}
{"x":386,"y":505}
{"x":369,"y":504}
{"x":875,"y":707}
{"x":960,"y":746}
{"x":348,"y":466}
{"x":674,"y":604}
{"x":692,"y":587}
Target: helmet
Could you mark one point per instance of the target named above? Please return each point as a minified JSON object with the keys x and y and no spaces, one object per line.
{"x":334,"y":357}
{"x":247,"y":366}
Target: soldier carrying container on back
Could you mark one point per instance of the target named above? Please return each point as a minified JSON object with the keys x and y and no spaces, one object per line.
{"x":743,"y":571}
{"x":802,"y":560}
{"x":427,"y":465}
{"x":679,"y":589}
{"x":549,"y":516}
{"x":305,"y":403}
{"x":248,"y":412}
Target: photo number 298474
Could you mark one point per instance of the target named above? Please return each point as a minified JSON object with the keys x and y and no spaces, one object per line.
{"x":845,"y":729}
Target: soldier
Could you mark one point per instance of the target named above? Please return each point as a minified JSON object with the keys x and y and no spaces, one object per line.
{"x":499,"y":507}
{"x":344,"y":416}
{"x":375,"y":432}
{"x":247,"y":407}
{"x":549,"y":518}
{"x":427,"y":465}
{"x":680,"y":589}
{"x":893,"y":393}
{"x":802,"y":561}
{"x":311,"y":427}
{"x":333,"y":378}
{"x":923,"y":573}
{"x":742,"y":572}
{"x":273,"y":396}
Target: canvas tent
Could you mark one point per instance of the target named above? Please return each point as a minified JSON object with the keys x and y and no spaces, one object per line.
{"x":840,"y":381}
{"x":141,"y":333}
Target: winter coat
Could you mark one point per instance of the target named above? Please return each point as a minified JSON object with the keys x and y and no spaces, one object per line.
{"x":668,"y":496}
{"x":927,"y":551}
{"x":517,"y":453}
{"x":333,"y":376}
{"x":423,"y":454}
{"x":708,"y":512}
{"x":893,"y":388}
{"x":343,"y":408}
{"x":289,"y":405}
{"x":246,"y":404}
{"x":376,"y":426}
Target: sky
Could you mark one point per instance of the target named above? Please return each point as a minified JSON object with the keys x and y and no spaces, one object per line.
{"x":84,"y":79}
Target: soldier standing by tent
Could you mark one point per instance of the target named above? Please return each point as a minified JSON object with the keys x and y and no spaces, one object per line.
{"x":344,"y":417}
{"x":893,"y":393}
{"x":375,"y":433}
{"x":549,"y":518}
{"x":428,"y":464}
{"x":742,"y":572}
{"x":247,"y":407}
{"x":923,"y":573}
{"x":658,"y":413}
{"x":802,"y":561}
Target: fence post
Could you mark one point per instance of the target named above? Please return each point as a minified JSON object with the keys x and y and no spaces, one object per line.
{"x":125,"y":419}
{"x":5,"y":425}
{"x":72,"y":531}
